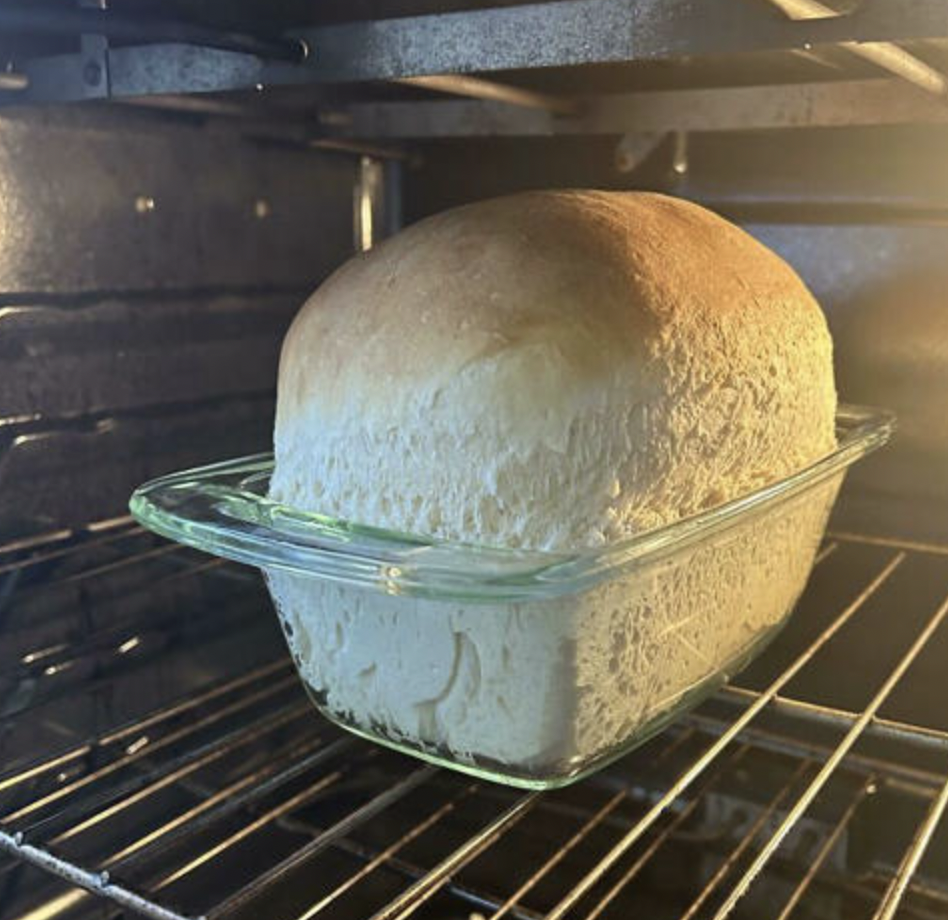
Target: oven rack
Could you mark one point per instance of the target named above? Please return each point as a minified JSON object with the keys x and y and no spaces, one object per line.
{"x":236,"y":800}
{"x":470,"y":70}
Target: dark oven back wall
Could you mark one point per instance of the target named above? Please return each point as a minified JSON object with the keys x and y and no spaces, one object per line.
{"x":148,"y":270}
{"x":862,"y":214}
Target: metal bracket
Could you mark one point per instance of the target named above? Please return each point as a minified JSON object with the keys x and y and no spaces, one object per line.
{"x":637,"y":146}
{"x":377,"y":200}
{"x":168,"y":57}
{"x":886,"y":55}
{"x":741,"y":108}
{"x":94,"y":55}
{"x":94,"y":66}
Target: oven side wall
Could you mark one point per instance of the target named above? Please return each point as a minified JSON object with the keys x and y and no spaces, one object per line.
{"x":149,"y":266}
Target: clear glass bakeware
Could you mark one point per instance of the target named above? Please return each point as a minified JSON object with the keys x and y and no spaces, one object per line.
{"x":529,"y":668}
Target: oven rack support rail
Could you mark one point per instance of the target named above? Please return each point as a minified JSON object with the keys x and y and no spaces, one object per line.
{"x":441,"y":52}
{"x":109,"y":775}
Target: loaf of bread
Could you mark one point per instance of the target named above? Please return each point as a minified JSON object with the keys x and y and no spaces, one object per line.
{"x":555,"y":371}
{"x":552,"y":370}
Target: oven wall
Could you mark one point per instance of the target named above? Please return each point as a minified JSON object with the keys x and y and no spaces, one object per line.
{"x":149,"y":266}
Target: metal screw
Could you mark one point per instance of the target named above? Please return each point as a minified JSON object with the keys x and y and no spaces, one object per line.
{"x":144,"y":204}
{"x":92,"y":73}
{"x":261,"y":208}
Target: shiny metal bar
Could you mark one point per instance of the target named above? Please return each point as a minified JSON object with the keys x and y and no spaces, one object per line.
{"x":323,"y":839}
{"x":886,"y":55}
{"x":561,"y":852}
{"x":868,"y":888}
{"x":749,"y":837}
{"x":479,"y":899}
{"x":24,"y":774}
{"x":226,"y":801}
{"x":385,"y":855}
{"x":930,"y":889}
{"x":169,"y":774}
{"x":28,"y":773}
{"x":95,"y":882}
{"x":191,"y":571}
{"x":821,"y":58}
{"x":122,"y":563}
{"x":213,"y":803}
{"x":828,"y":768}
{"x":298,"y":764}
{"x":667,"y":832}
{"x":146,"y":751}
{"x":108,"y":640}
{"x":902,"y":63}
{"x":294,"y":802}
{"x":912,"y":780}
{"x":192,"y":702}
{"x":111,"y":523}
{"x":43,"y":539}
{"x":415,"y":895}
{"x":57,"y":536}
{"x":478,"y":88}
{"x":826,"y":103}
{"x":917,"y":546}
{"x":72,"y":550}
{"x":594,"y":821}
{"x":894,"y":730}
{"x":825,"y":849}
{"x":684,"y":781}
{"x":610,"y":783}
{"x":913,"y":856}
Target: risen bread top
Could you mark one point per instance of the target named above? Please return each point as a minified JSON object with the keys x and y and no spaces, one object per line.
{"x":551,"y":370}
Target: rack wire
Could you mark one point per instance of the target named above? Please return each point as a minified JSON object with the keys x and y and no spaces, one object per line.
{"x":235,"y":800}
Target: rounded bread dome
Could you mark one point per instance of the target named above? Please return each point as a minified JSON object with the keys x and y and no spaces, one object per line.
{"x":551,"y":370}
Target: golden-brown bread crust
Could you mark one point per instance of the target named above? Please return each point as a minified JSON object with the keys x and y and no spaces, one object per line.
{"x":621,"y":267}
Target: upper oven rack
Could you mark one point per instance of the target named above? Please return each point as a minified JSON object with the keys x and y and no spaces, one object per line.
{"x":771,"y":63}
{"x":607,"y":833}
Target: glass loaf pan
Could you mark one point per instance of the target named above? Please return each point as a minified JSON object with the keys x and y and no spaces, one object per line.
{"x":528,"y":668}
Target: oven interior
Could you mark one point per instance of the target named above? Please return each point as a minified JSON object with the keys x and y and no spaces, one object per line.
{"x":175,"y":178}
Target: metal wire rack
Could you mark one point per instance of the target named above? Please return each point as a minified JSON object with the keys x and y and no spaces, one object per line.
{"x":230,"y":798}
